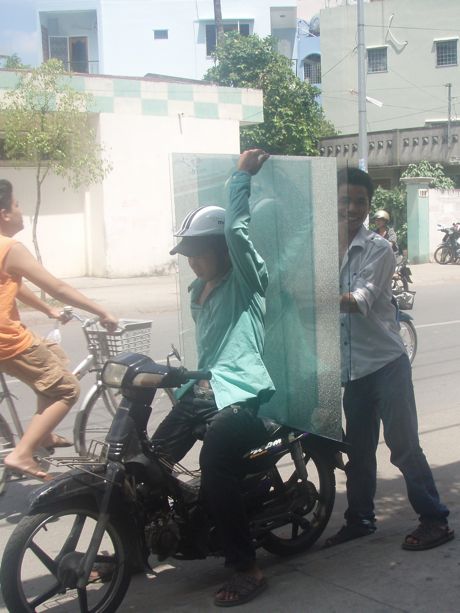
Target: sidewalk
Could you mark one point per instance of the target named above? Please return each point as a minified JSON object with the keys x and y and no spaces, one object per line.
{"x":368,"y":575}
{"x":132,"y":297}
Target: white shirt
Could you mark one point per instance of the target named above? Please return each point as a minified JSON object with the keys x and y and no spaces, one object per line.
{"x":369,"y":339}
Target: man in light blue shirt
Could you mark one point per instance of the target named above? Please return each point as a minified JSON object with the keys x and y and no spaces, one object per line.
{"x":228,"y":307}
{"x":377,"y":378}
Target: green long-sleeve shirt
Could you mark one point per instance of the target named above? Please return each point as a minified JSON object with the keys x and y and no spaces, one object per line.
{"x":230,"y":323}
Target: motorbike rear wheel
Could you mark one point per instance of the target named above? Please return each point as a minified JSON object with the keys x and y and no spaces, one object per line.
{"x":43,"y":554}
{"x":409,"y":337}
{"x":309,"y":519}
{"x":443,"y":255}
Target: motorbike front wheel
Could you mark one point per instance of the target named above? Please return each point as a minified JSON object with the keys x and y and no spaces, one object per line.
{"x":443,"y":255}
{"x":311,"y":504}
{"x":41,"y":560}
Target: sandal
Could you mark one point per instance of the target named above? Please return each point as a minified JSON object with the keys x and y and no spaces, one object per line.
{"x":349,"y":532}
{"x":428,"y":534}
{"x":242,"y":587}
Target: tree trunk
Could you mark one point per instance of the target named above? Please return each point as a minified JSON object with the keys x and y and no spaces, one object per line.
{"x":218,"y":20}
{"x":38,"y":183}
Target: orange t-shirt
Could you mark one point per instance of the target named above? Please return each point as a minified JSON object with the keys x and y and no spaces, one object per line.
{"x":14,"y":336}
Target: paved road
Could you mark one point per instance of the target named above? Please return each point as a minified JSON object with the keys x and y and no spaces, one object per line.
{"x":372,"y":575}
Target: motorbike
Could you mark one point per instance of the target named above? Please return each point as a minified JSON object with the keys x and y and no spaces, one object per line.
{"x":403,"y":299}
{"x":90,"y":528}
{"x":449,"y":249}
{"x":402,"y":275}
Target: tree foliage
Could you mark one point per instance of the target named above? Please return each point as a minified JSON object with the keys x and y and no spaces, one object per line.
{"x":425,"y":169}
{"x":293,"y":119}
{"x":46,"y":124}
{"x":395,"y":202}
{"x":13,"y":62}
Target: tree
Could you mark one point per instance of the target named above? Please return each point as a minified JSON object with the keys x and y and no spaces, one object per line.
{"x":13,"y":62}
{"x":293,"y":119}
{"x":46,"y":123}
{"x":218,"y":19}
{"x":436,"y":171}
{"x":394,"y":200}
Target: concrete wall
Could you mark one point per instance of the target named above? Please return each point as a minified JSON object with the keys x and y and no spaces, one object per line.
{"x":137,"y":194}
{"x":61,"y":227}
{"x":123,"y":227}
{"x":444,"y":209}
{"x":412,"y":87}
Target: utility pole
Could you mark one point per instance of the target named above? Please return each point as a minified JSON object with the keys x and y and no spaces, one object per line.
{"x":449,"y":110}
{"x":362,"y":127}
{"x":218,"y":20}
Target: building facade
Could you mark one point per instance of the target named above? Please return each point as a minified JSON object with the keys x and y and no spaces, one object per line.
{"x":412,"y":54}
{"x":123,"y":226}
{"x":168,"y":37}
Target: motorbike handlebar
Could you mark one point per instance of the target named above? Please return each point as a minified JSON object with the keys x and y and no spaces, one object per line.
{"x":199,"y":375}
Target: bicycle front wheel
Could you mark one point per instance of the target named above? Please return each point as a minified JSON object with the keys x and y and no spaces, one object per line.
{"x":94,"y":419}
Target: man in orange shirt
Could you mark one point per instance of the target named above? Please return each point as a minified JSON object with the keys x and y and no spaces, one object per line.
{"x":25,"y":356}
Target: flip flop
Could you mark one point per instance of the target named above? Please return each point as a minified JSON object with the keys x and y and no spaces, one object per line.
{"x":30,"y":471}
{"x":244,"y":587}
{"x":57,"y":441}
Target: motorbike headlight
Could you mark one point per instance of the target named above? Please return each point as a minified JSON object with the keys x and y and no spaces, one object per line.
{"x":113,"y":374}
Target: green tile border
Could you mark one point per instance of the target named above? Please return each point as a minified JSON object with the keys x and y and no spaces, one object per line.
{"x":230,"y":96}
{"x":180,"y":92}
{"x":154,"y":107}
{"x":102,"y":104}
{"x":252,"y":113}
{"x":124,"y":88}
{"x":206,"y":110}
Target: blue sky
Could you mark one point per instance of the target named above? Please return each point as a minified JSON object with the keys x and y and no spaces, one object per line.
{"x":18,"y":29}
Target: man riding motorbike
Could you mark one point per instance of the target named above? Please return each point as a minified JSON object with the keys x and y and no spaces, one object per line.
{"x":228,"y":307}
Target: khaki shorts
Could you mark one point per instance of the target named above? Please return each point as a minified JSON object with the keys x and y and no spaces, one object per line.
{"x":43,"y":367}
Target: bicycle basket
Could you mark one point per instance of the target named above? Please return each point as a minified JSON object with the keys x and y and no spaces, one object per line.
{"x":405,"y":300}
{"x":133,"y":335}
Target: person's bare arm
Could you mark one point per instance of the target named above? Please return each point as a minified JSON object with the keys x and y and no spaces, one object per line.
{"x":27,"y":296}
{"x":20,"y":261}
{"x":348,"y":304}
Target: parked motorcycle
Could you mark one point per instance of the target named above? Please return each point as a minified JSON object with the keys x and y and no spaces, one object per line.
{"x":87,"y":530}
{"x":449,"y":249}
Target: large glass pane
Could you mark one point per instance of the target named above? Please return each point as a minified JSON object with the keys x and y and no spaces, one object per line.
{"x":294,"y":216}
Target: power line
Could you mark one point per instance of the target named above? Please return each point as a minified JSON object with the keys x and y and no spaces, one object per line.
{"x":339,"y":62}
{"x":368,"y":25}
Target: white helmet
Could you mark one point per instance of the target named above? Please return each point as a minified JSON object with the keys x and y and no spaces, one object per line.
{"x":206,"y":222}
{"x":381,"y":214}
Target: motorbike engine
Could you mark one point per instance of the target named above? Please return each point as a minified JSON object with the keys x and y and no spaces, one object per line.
{"x":162,"y":536}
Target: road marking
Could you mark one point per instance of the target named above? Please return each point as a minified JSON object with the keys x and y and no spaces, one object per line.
{"x":441,"y":323}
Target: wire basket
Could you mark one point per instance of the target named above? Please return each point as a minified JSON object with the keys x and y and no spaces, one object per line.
{"x":132,"y":335}
{"x":405,"y":300}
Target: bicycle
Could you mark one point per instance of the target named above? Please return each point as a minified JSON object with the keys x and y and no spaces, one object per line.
{"x":99,"y":405}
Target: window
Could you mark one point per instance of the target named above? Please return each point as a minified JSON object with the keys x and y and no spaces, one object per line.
{"x":377,"y":59}
{"x":72,"y":51}
{"x":312,"y":69}
{"x":446,"y":52}
{"x":160,"y":34}
{"x":211,"y":38}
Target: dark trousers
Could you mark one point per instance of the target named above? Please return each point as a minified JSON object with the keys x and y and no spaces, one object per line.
{"x":231,"y":432}
{"x":386,"y":395}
